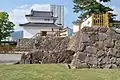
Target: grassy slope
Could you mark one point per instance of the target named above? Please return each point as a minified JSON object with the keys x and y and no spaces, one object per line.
{"x":54,"y":72}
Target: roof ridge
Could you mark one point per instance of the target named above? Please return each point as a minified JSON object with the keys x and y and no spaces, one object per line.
{"x":42,"y":11}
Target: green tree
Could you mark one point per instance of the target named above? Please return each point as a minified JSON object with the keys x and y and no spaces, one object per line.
{"x":88,"y":7}
{"x":6,"y":26}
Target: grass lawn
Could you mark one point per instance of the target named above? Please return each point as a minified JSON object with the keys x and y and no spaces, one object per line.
{"x":55,"y":72}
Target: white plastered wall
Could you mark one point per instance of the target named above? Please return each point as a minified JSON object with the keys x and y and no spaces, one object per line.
{"x":76,"y":28}
{"x":38,"y":20}
{"x":29,"y":32}
{"x":87,"y":23}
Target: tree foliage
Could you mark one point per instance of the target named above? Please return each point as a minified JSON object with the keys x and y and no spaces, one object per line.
{"x":6,"y":26}
{"x":88,"y":7}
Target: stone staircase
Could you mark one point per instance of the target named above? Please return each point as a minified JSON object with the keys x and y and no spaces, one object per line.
{"x":73,"y":44}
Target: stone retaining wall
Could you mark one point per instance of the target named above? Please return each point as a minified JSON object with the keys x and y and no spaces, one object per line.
{"x":97,"y":48}
{"x":47,"y":43}
{"x":46,"y":57}
{"x":49,"y":50}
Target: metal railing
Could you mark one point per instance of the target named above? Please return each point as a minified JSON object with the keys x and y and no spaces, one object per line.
{"x":7,"y":49}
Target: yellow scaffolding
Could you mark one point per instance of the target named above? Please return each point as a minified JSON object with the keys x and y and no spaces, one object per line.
{"x":101,"y":20}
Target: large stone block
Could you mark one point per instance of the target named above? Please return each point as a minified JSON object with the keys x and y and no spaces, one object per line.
{"x":100,"y":53}
{"x":118,"y":61}
{"x":117,"y":44}
{"x":102,"y":36}
{"x":94,"y":37}
{"x":81,"y":56}
{"x":111,"y":66}
{"x":81,"y":47}
{"x":82,"y":65}
{"x":103,"y":29}
{"x":100,"y":45}
{"x":85,"y":38}
{"x":111,"y":34}
{"x":92,"y":60}
{"x":87,"y":29}
{"x":104,"y":60}
{"x":109,"y":43}
{"x":91,"y":49}
{"x":113,"y":60}
{"x":118,"y":53}
{"x":112,"y":52}
{"x":118,"y":36}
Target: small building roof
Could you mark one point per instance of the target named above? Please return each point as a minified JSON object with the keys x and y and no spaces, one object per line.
{"x":116,"y":21}
{"x":40,"y":25}
{"x":42,"y":15}
{"x":77,"y":21}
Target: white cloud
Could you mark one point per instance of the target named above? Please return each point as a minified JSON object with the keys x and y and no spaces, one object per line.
{"x":23,"y":6}
{"x":1,"y":10}
{"x":98,"y":0}
{"x":44,"y":7}
{"x":18,"y":15}
{"x":116,"y":11}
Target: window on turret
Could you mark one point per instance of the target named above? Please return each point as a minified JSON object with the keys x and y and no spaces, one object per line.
{"x":47,"y":19}
{"x":44,"y":33}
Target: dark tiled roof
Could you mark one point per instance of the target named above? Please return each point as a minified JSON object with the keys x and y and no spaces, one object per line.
{"x":40,"y":17}
{"x":41,"y":14}
{"x":116,"y":21}
{"x":77,"y":21}
{"x":40,"y":25}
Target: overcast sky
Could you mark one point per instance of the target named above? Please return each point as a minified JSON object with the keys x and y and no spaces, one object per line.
{"x":18,"y":8}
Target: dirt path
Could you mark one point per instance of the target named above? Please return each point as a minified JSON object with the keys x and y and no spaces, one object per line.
{"x":9,"y":58}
